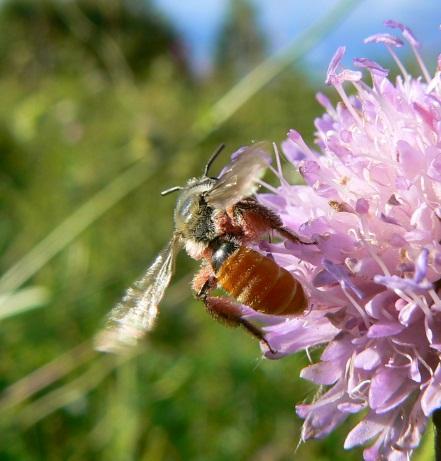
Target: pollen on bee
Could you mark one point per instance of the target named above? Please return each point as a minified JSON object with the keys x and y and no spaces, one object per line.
{"x":340,"y":206}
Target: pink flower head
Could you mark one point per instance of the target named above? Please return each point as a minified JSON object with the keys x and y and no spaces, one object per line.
{"x":372,"y":202}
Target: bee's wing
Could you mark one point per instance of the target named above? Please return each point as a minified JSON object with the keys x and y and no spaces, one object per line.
{"x":136,"y":313}
{"x":239,"y":178}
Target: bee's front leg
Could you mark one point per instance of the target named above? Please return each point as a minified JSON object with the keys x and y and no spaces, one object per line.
{"x":256,"y":219}
{"x":282,"y":231}
{"x":204,"y":281}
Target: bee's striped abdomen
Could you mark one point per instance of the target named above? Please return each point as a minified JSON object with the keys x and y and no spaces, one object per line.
{"x":258,"y":282}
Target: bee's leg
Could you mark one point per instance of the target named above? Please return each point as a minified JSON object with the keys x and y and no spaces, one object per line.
{"x":204,"y":281}
{"x":256,"y":219}
{"x":229,"y":313}
{"x":292,"y":237}
{"x":222,"y":309}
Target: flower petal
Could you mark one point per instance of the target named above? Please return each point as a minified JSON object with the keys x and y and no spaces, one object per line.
{"x":421,"y":266}
{"x":394,"y":282}
{"x":431,"y":398}
{"x":297,"y":334}
{"x":410,"y":159}
{"x":384,"y":329}
{"x":365,"y":430}
{"x":387,"y":390}
{"x":322,"y":373}
{"x":413,"y":431}
{"x":368,"y":359}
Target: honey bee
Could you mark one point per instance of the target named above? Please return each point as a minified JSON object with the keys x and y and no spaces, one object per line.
{"x":217,"y":219}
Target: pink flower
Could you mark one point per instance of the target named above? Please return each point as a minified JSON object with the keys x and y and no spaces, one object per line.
{"x":372,"y":201}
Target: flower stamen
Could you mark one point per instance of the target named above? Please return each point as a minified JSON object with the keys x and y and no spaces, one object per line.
{"x":372,"y":201}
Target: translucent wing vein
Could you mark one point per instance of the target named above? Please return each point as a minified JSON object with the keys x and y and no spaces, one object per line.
{"x":136,"y":313}
{"x":239,"y":178}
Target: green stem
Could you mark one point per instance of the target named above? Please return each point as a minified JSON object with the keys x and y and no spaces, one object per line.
{"x":436,"y":417}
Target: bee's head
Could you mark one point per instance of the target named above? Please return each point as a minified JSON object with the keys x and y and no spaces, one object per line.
{"x":189,"y":199}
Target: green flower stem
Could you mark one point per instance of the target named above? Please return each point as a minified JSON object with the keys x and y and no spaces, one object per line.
{"x":436,"y":417}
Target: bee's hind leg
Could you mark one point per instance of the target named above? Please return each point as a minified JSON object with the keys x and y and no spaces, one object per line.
{"x":223,"y":309}
{"x":229,"y":313}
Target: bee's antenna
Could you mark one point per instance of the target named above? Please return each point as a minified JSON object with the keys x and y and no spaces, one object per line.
{"x":213,"y":158}
{"x":172,"y":189}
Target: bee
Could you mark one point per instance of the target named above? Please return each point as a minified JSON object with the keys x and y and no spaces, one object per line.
{"x":216,"y":220}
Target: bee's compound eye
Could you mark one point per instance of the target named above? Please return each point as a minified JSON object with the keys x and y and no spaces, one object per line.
{"x":191,"y":201}
{"x":184,"y":210}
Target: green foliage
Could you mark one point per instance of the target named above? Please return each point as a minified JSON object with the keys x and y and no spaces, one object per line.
{"x":93,"y":124}
{"x":241,"y":46}
{"x":120,"y":37}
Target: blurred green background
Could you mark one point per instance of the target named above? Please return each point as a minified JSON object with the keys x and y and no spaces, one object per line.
{"x":99,"y":112}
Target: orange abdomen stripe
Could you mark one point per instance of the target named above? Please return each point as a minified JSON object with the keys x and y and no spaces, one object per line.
{"x":258,"y":282}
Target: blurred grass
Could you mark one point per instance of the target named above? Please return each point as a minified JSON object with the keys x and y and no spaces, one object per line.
{"x":88,"y":140}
